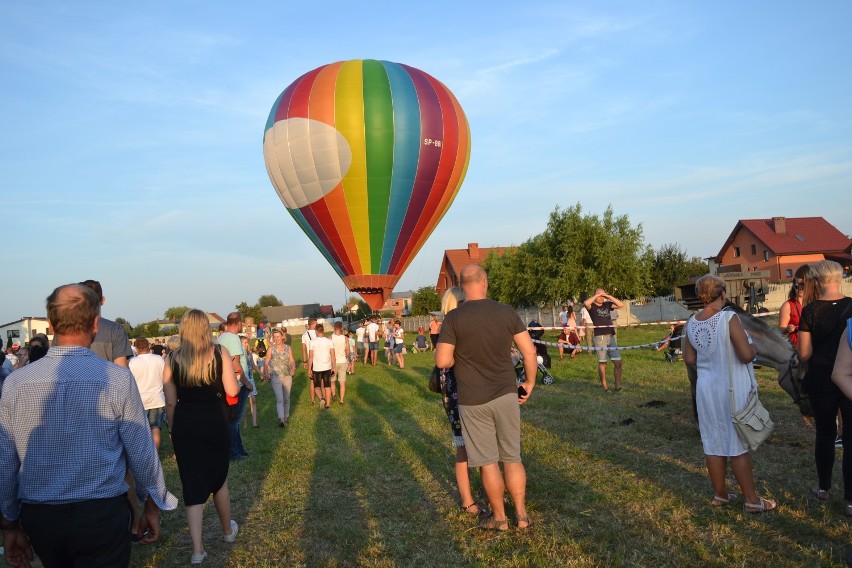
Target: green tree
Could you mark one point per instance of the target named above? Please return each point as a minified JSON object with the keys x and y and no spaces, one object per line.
{"x":152,"y":329}
{"x":362,"y":309}
{"x":268,"y":301}
{"x":425,"y":300}
{"x":124,"y":323}
{"x":175,"y":313}
{"x":247,"y":311}
{"x":575,"y":254}
{"x":671,"y":267}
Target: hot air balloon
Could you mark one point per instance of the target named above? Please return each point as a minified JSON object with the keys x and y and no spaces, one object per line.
{"x":367,"y":156}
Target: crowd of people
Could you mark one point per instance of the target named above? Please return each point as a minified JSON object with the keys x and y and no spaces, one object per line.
{"x":198,"y":386}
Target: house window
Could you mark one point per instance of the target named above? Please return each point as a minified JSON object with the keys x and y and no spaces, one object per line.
{"x":736,"y":252}
{"x":765,"y":255}
{"x":788,"y":273}
{"x":753,"y":249}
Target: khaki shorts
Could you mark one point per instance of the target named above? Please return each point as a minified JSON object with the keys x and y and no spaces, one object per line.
{"x":340,"y":372}
{"x":607,"y":347}
{"x":492,"y":431}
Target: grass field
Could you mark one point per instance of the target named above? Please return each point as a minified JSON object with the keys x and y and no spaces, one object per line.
{"x":613,"y":480}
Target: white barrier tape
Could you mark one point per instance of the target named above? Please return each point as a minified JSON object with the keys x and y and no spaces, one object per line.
{"x":617,"y":348}
{"x":676,"y":322}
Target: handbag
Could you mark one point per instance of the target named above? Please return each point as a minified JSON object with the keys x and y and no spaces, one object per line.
{"x":435,"y":380}
{"x":752,"y":422}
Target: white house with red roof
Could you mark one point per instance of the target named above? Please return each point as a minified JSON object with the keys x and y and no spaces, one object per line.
{"x":781,"y":245}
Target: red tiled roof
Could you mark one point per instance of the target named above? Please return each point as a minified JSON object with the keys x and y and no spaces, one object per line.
{"x":803,"y":235}
{"x":459,"y":258}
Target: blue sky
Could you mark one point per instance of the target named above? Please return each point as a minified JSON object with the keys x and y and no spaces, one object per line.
{"x":131,"y":140}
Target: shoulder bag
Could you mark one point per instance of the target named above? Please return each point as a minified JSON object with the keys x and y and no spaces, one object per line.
{"x":752,"y":422}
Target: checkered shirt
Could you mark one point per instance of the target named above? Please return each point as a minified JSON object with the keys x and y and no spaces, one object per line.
{"x":70,"y":425}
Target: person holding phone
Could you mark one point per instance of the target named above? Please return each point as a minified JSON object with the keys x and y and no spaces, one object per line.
{"x":475,"y":341}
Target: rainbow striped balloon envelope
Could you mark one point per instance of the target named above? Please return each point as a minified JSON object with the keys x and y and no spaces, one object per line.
{"x":367,"y":156}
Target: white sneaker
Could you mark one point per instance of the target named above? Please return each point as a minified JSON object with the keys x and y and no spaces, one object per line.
{"x":235,"y":528}
{"x":198,"y":558}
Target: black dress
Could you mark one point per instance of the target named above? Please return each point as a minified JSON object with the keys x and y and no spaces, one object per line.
{"x":201,"y":435}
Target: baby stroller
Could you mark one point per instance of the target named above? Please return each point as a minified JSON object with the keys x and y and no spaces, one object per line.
{"x":540,"y":348}
{"x":520,"y":373}
{"x":673,"y":350}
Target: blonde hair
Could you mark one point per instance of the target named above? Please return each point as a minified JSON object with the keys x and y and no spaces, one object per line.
{"x":195,"y":355}
{"x":173,"y":342}
{"x":709,"y":287}
{"x":822,"y":272}
{"x":451,"y":300}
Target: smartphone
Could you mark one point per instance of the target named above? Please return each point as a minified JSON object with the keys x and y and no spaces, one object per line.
{"x":522,"y":392}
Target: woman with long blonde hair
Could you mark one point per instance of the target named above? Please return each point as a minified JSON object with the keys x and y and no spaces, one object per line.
{"x":195,"y":383}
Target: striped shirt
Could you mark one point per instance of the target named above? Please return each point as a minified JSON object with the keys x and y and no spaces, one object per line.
{"x":70,"y":425}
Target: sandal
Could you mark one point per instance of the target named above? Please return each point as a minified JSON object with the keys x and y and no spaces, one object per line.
{"x":524,"y":519}
{"x":472,"y":509}
{"x":721,"y":501}
{"x":492,"y":524}
{"x":764,"y":506}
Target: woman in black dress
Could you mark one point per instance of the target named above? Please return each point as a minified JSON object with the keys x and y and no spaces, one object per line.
{"x":195,"y":383}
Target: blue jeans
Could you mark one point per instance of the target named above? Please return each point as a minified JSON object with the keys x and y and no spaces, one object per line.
{"x":237,"y":448}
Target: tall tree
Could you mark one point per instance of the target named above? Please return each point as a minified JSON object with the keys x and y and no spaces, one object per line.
{"x":362,"y":309}
{"x":425,"y":300}
{"x":671,"y":267}
{"x":175,"y":313}
{"x":268,"y":301}
{"x":124,"y":323}
{"x":247,"y":311}
{"x":575,"y":254}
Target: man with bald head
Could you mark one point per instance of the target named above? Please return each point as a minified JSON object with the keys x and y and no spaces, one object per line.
{"x":70,"y":426}
{"x":475,"y":341}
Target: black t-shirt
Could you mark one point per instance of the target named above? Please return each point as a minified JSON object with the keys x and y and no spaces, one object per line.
{"x":482,"y":332}
{"x":825,"y":321}
{"x":600,"y":317}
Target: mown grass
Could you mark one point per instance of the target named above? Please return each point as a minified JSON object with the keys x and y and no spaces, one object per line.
{"x":612,"y":481}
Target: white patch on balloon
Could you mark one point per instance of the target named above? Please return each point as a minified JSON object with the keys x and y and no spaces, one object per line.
{"x":306,"y":159}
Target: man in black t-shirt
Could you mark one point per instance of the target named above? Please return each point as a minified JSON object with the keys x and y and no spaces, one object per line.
{"x":599,"y":306}
{"x":475,"y":341}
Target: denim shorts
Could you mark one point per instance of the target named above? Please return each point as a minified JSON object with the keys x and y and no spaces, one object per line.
{"x":156,"y":417}
{"x":607,"y":347}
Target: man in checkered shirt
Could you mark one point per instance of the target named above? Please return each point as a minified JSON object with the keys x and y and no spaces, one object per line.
{"x":70,"y":424}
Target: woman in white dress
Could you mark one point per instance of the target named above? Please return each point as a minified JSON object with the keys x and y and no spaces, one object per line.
{"x":709,"y":333}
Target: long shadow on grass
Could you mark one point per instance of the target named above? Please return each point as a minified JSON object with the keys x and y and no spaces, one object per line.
{"x":336,"y":526}
{"x":635,"y":482}
{"x":404,"y":461}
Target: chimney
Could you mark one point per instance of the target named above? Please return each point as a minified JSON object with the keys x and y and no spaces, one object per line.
{"x":780,"y":225}
{"x":473,"y":251}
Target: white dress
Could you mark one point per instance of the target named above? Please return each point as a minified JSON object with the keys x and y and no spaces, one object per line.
{"x":710,"y":339}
